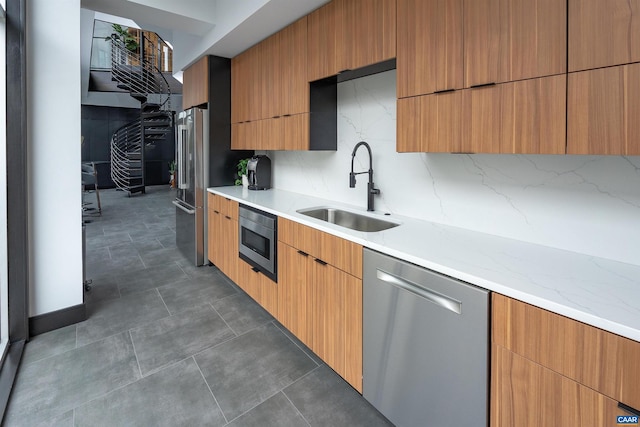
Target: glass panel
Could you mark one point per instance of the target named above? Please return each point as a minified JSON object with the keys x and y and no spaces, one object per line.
{"x":258,"y":243}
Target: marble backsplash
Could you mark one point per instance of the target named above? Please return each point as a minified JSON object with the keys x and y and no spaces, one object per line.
{"x":586,"y":204}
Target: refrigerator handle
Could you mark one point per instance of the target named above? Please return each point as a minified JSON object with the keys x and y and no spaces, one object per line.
{"x":182,"y":166}
{"x":183,"y":207}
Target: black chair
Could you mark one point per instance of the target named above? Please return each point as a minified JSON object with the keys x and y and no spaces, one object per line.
{"x":90,"y":182}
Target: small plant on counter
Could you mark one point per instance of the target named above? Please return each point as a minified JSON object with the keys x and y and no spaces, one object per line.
{"x":242,"y":170}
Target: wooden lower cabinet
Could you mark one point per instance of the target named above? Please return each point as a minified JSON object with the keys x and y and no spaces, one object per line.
{"x":597,"y":360}
{"x":322,"y":306}
{"x":258,"y":286}
{"x":526,"y":394}
{"x":292,"y":291}
{"x":334,"y":306}
{"x":222,"y":230}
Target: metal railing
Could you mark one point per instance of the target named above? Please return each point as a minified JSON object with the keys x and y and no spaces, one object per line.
{"x":137,"y":73}
{"x":127,"y":157}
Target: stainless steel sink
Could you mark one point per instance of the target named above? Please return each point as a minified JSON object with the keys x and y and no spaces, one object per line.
{"x":352,"y":220}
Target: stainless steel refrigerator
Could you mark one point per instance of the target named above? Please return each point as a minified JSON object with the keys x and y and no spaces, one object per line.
{"x":204,"y":159}
{"x":192,"y":142}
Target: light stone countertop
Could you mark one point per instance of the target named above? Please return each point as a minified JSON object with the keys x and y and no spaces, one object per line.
{"x":597,"y":291}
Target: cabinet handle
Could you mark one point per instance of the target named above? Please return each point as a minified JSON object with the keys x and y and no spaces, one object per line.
{"x":628,"y":409}
{"x":215,"y":211}
{"x":286,"y":115}
{"x":319,"y":261}
{"x":275,"y":117}
{"x":444,"y":91}
{"x":483,"y":85}
{"x":303,"y":253}
{"x":228,"y":217}
{"x":255,"y":270}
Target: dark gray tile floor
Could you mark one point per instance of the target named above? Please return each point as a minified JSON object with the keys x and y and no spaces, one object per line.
{"x":169,"y":344}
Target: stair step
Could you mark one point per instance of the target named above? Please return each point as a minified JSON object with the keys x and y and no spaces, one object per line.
{"x":139,"y":96}
{"x":156,"y":131}
{"x":160,"y":124}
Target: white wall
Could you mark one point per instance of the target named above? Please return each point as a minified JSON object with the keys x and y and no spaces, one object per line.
{"x":53,"y":122}
{"x":586,"y":204}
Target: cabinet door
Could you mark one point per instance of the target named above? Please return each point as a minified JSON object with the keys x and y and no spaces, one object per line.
{"x":508,"y":40}
{"x":240,"y":87}
{"x":291,"y":59}
{"x":524,"y":393}
{"x":524,"y":117}
{"x":430,"y":55}
{"x":602,"y":111}
{"x":295,"y":132}
{"x":228,"y":246}
{"x":603,"y":33}
{"x":293,"y":276}
{"x":335,"y":306}
{"x":349,"y":34}
{"x":213,"y":230}
{"x":246,"y":85}
{"x":600,"y":360}
{"x":263,"y":290}
{"x":430,"y":123}
{"x":322,"y":27}
{"x":195,"y":89}
{"x":367,"y":34}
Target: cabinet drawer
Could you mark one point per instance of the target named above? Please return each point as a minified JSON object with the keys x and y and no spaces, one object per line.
{"x":524,"y":393}
{"x":224,"y":206}
{"x":603,"y":361}
{"x":340,"y":253}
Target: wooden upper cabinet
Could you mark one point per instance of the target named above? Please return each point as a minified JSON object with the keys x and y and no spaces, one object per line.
{"x":508,"y":40}
{"x":291,"y":70}
{"x":603,"y":33}
{"x":431,"y":124}
{"x":322,"y":41}
{"x":603,"y":110}
{"x":430,"y":55}
{"x":350,"y":34}
{"x":246,"y":86}
{"x":282,"y":76}
{"x":523,"y":117}
{"x":195,"y":88}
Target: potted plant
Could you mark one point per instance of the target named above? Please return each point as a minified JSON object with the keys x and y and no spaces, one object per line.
{"x":172,"y":174}
{"x":120,"y":33}
{"x":242,"y":172}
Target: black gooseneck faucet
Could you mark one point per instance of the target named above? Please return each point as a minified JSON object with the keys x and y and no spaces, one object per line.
{"x":371,"y":190}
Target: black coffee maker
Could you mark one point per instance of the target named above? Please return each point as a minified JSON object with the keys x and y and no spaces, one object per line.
{"x":259,"y":172}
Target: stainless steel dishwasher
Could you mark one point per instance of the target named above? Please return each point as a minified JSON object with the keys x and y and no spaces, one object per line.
{"x":426,"y":345}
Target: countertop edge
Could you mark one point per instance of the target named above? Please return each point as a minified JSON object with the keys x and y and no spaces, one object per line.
{"x":530,"y":298}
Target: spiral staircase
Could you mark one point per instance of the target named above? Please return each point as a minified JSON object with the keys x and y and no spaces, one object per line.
{"x":138,"y":74}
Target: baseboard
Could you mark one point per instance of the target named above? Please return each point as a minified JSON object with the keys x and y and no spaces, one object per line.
{"x":8,"y":373}
{"x":57,"y":319}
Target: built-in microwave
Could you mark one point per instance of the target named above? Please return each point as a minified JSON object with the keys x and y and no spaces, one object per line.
{"x":257,"y":234}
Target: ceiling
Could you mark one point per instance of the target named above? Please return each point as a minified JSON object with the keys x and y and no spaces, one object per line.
{"x":207,"y":27}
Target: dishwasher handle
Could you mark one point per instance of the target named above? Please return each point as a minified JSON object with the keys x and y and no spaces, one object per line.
{"x":426,"y":293}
